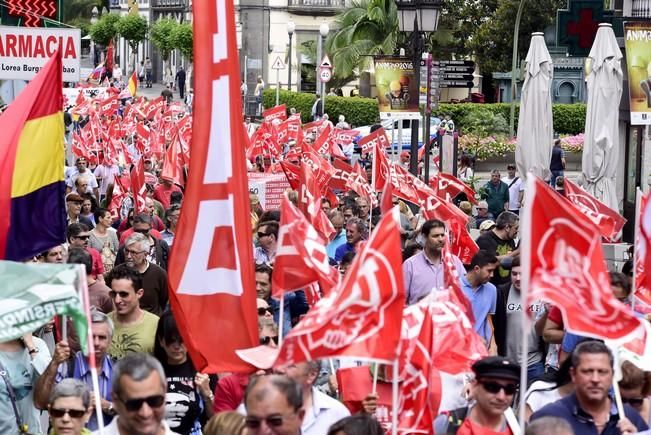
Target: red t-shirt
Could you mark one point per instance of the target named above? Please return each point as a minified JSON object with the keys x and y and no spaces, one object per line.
{"x":98,"y":266}
{"x":470,"y":428}
{"x":555,"y":315}
{"x":229,"y":392}
{"x":125,"y":235}
{"x":163,"y":194}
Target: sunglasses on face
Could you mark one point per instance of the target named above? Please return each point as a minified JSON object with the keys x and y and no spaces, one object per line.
{"x":123,"y":295}
{"x":263,"y":310}
{"x":267,"y":340}
{"x":82,"y":237}
{"x":141,"y":231}
{"x":73,"y":413}
{"x":495,"y":387}
{"x":134,"y":405}
{"x":261,"y":235}
{"x":633,"y":401}
{"x":272,"y":421}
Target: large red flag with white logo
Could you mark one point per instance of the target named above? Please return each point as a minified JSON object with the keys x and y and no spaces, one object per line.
{"x":642,"y":291}
{"x":563,"y":263}
{"x":310,"y":193}
{"x":301,"y":257}
{"x":361,"y":317}
{"x":447,"y":187}
{"x":609,"y":222}
{"x":138,"y":187}
{"x":212,"y":290}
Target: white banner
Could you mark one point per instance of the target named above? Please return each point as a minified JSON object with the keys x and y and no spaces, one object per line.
{"x":70,"y":95}
{"x":24,"y":51}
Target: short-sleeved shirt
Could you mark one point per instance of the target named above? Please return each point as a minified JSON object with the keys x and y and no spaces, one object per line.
{"x":107,"y":175}
{"x":483,"y":300}
{"x":139,"y":337}
{"x":556,"y":163}
{"x":421,"y":276}
{"x":515,"y":186}
{"x":74,"y":174}
{"x":496,"y":246}
{"x":496,"y":196}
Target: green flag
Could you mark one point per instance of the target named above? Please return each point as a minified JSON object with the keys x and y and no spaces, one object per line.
{"x":33,"y":293}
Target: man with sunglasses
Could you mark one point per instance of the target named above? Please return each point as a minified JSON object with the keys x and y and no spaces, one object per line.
{"x":265,"y":253}
{"x":138,"y":392}
{"x":496,"y":382}
{"x":77,"y":235}
{"x":274,"y":405}
{"x":591,"y":409}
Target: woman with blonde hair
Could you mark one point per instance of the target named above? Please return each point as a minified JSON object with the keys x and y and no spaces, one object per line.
{"x":225,"y":423}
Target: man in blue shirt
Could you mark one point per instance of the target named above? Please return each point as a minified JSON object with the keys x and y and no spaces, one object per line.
{"x":590,"y":409}
{"x":355,"y":233}
{"x":482,"y":295}
{"x":337,"y":220}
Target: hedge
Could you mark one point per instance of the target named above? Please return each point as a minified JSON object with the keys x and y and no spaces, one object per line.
{"x":568,"y":118}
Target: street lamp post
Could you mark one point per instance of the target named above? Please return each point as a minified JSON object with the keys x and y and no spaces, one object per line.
{"x":94,"y":14}
{"x":324,"y":29}
{"x":417,"y":17}
{"x":290,"y":31}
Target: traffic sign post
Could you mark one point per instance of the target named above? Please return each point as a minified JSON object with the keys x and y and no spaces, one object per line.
{"x":325,"y":74}
{"x":278,"y":65}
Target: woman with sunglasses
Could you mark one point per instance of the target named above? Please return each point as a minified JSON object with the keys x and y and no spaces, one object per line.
{"x":69,"y":408}
{"x":189,"y":398}
{"x":635,"y":388}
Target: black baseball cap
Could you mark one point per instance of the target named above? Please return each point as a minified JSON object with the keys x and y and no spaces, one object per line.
{"x":497,"y":367}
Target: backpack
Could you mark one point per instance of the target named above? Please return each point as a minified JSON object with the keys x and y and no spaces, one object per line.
{"x":455,"y":419}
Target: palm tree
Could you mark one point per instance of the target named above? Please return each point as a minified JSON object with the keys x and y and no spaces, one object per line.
{"x":366,"y":28}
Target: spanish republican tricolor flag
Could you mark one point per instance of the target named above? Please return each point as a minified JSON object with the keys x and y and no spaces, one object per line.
{"x":133,"y":84}
{"x":32,"y":153}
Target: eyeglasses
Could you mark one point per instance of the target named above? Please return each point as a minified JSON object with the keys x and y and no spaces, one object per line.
{"x":264,"y":310}
{"x":261,"y":235}
{"x":82,"y":237}
{"x":113,"y":294}
{"x":130,"y":252}
{"x":633,"y":401}
{"x":272,"y":421}
{"x":495,"y":387}
{"x":73,"y":413}
{"x":267,"y":340}
{"x":141,"y":231}
{"x":134,"y":405}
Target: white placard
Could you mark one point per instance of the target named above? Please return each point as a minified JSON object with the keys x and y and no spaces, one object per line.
{"x":25,"y":50}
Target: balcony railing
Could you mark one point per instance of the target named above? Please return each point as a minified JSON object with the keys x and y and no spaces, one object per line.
{"x":641,"y":9}
{"x":169,"y":4}
{"x":311,"y":6}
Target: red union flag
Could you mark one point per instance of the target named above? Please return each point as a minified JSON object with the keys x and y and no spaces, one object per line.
{"x":609,"y":222}
{"x":278,"y":112}
{"x":309,"y":200}
{"x":563,"y":264}
{"x":642,"y":291}
{"x":448,"y":186}
{"x":361,"y":317}
{"x":376,"y":139}
{"x":212,"y":290}
{"x":301,"y":257}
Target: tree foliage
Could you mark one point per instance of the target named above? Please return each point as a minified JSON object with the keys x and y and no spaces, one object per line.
{"x":366,"y":28}
{"x":492,"y":43}
{"x":77,"y":13}
{"x":161,"y":33}
{"x":104,"y":30}
{"x":182,"y":40}
{"x":133,"y":28}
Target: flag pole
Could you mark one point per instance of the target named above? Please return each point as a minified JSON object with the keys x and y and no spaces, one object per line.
{"x":91,"y":353}
{"x":377,"y":369}
{"x":525,"y":263}
{"x":281,"y":318}
{"x":618,"y":395}
{"x":394,"y":399}
{"x":638,"y":223}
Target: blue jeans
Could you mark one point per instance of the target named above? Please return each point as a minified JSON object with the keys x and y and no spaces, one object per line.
{"x":555,"y":175}
{"x":534,"y":371}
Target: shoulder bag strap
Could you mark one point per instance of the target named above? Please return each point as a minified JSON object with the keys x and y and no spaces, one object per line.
{"x":22,"y":428}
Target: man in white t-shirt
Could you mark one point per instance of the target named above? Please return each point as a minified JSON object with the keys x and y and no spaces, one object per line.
{"x":105,"y":175}
{"x":516,"y":189}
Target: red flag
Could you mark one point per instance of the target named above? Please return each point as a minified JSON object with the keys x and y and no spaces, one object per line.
{"x":119,"y":193}
{"x":309,"y":201}
{"x":343,"y":137}
{"x":345,"y":177}
{"x":377,"y":139}
{"x":278,"y":112}
{"x":212,"y":289}
{"x":321,"y":168}
{"x":301,"y":257}
{"x":109,"y":106}
{"x":563,"y":264}
{"x":387,"y":199}
{"x":109,"y":58}
{"x":452,"y":283}
{"x":609,"y":222}
{"x":642,"y":289}
{"x":447,"y":187}
{"x":293,"y":174}
{"x":361,"y":317}
{"x":173,"y":162}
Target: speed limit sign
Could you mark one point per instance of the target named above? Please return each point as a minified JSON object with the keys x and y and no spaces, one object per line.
{"x":325,"y":74}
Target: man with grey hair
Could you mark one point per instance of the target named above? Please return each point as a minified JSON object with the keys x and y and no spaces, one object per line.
{"x":321,"y":411}
{"x":549,"y":426}
{"x":78,"y":366}
{"x":274,"y":404}
{"x":154,"y":278}
{"x":138,"y":392}
{"x":157,"y":249}
{"x":355,"y":232}
{"x":500,"y":242}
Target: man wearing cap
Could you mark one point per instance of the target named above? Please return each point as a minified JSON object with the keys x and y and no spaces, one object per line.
{"x":482,"y":213}
{"x":516,"y":189}
{"x":493,"y":388}
{"x":73,"y":206}
{"x":486,"y":226}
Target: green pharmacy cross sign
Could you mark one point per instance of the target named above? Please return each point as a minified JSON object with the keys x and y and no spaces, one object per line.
{"x":577,"y":25}
{"x":31,"y":13}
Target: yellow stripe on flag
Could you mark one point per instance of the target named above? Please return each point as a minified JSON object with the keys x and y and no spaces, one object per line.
{"x":133,"y":86}
{"x":40,"y":155}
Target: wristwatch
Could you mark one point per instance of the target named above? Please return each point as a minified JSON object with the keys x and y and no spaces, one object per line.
{"x":32,"y":350}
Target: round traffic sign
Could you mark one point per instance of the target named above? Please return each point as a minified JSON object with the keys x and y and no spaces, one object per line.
{"x":325,"y":74}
